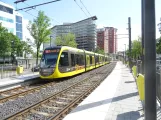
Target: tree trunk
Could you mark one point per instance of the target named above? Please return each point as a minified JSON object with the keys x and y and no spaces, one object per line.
{"x":4,"y":59}
{"x":37,"y":55}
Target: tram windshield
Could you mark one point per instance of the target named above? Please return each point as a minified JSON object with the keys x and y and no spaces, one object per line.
{"x":49,"y":58}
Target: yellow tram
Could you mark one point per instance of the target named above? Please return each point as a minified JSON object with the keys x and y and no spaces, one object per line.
{"x":64,"y":61}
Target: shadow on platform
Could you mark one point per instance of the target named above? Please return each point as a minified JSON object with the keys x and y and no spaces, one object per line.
{"x":132,"y":115}
{"x":102,"y":102}
{"x":129,"y":81}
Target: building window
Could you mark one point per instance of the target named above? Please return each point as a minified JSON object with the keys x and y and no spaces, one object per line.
{"x":18,"y":27}
{"x":18,"y":19}
{"x":6,"y":19}
{"x":19,"y":35}
{"x":6,"y":9}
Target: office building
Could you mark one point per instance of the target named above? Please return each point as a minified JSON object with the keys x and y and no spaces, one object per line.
{"x":11,"y":19}
{"x":84,"y":30}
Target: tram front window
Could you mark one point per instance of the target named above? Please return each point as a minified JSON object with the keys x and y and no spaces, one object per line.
{"x":49,"y":58}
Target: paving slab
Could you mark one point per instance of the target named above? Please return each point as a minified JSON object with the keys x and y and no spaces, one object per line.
{"x":17,"y":79}
{"x":115,"y":99}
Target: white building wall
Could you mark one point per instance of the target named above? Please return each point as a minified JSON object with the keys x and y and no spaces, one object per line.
{"x":9,"y":25}
{"x":3,"y":14}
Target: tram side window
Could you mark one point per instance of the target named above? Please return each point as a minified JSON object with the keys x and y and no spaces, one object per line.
{"x":90,"y":59}
{"x":72,"y":60}
{"x":64,"y":59}
{"x":97,"y":59}
{"x":82,"y":59}
{"x":79,"y":59}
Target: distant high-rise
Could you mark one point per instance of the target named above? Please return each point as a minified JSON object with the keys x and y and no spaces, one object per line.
{"x":102,"y":39}
{"x":107,"y":39}
{"x":84,"y":30}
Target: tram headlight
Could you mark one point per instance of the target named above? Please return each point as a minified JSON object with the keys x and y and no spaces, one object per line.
{"x":47,"y":71}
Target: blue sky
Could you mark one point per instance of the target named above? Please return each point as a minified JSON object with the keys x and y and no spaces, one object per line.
{"x":109,"y":13}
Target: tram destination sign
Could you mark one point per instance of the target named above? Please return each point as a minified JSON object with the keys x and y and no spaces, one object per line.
{"x":52,"y":51}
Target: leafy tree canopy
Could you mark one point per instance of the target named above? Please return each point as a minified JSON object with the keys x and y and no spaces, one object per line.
{"x":158,"y":46}
{"x":99,"y":50}
{"x":39,"y":30}
{"x":136,"y":49}
{"x":66,"y":40}
{"x":5,"y":46}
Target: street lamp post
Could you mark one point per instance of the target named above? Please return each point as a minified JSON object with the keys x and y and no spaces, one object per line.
{"x":125,"y":53}
{"x":150,"y":60}
{"x":50,"y":39}
{"x":12,"y":45}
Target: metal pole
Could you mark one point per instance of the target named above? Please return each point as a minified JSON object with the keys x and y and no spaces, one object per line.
{"x":50,"y":41}
{"x":123,"y":57}
{"x":125,"y":53}
{"x":150,"y":59}
{"x":129,"y":28}
{"x":142,"y":27}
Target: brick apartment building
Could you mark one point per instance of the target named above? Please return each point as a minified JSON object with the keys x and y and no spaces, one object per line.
{"x":107,"y":39}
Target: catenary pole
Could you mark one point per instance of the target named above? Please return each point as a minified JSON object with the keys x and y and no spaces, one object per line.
{"x":150,"y":59}
{"x":129,"y":28}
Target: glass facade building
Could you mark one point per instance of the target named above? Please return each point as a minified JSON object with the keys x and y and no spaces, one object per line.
{"x":7,"y":17}
{"x":11,"y":20}
{"x":6,"y":9}
{"x":19,"y":27}
{"x":84,"y":30}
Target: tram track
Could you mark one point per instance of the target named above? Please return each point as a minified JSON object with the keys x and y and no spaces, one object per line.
{"x":60,"y":103}
{"x":20,"y":91}
{"x":35,"y":101}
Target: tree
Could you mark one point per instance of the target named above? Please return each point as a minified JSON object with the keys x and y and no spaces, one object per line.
{"x":136,"y":49}
{"x":66,"y":40}
{"x":99,"y":50}
{"x":34,"y":55}
{"x":39,"y":30}
{"x":25,"y":47}
{"x":15,"y":45}
{"x":5,"y":46}
{"x":9,"y":44}
{"x":158,"y":46}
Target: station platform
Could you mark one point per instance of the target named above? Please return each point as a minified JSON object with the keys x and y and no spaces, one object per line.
{"x":13,"y":80}
{"x":115,"y":99}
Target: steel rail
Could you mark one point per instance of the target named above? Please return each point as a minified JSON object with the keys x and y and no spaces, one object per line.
{"x":15,"y":115}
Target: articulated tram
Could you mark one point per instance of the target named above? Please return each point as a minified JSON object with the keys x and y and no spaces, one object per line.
{"x":63,"y":61}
